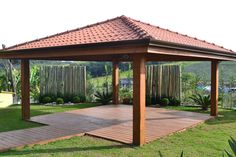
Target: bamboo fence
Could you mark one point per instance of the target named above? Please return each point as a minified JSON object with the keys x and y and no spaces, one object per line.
{"x":64,"y":80}
{"x":164,"y":81}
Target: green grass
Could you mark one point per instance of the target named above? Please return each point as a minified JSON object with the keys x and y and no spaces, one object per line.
{"x":227,"y":69}
{"x":98,"y":81}
{"x":10,"y":117}
{"x":205,"y":140}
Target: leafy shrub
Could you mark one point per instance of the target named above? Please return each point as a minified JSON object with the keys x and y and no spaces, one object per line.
{"x":103,"y":97}
{"x":82,"y":98}
{"x":60,"y":101}
{"x":203,"y":100}
{"x":68,"y":98}
{"x":46,"y":99}
{"x":76,"y":99}
{"x":164,"y":102}
{"x":126,"y":95}
{"x":174,"y":101}
{"x":53,"y":97}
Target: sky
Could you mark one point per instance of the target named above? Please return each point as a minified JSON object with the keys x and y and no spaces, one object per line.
{"x":210,"y":20}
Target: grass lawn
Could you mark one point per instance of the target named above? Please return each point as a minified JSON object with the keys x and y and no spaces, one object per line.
{"x":10,"y":118}
{"x":205,"y":140}
{"x":100,"y":80}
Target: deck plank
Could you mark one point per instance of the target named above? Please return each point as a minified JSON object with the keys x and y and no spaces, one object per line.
{"x":113,"y":122}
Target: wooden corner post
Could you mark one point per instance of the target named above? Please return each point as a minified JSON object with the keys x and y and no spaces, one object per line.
{"x":115,"y":82}
{"x":214,"y":87}
{"x":139,"y":99}
{"x":25,"y":89}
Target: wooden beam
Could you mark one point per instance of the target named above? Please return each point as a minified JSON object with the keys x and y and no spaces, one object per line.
{"x":25,"y":89}
{"x":214,"y":87}
{"x":115,"y":82}
{"x":151,"y":57}
{"x":139,"y":99}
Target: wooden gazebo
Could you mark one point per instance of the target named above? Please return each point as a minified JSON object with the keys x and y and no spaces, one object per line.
{"x":116,"y":40}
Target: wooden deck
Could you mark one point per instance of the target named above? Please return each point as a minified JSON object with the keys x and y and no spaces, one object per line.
{"x":112,"y":122}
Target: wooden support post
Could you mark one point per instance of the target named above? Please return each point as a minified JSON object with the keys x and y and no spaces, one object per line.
{"x":115,"y":83}
{"x":214,"y":87}
{"x":139,"y":99}
{"x":25,"y":89}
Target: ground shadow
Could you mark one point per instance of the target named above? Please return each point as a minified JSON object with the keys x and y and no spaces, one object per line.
{"x":64,"y":150}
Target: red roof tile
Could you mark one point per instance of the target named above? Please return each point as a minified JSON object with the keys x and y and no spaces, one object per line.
{"x":117,"y":29}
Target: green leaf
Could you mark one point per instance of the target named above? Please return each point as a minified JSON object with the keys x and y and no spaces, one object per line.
{"x":233,"y":146}
{"x":229,"y":155}
{"x":160,"y":154}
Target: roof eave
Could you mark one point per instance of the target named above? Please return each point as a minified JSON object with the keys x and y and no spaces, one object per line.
{"x":70,"y":51}
{"x":88,"y":45}
{"x":176,"y":46}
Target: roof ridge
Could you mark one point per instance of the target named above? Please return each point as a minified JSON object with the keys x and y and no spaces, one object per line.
{"x":138,"y":30}
{"x":64,"y":32}
{"x":185,"y":35}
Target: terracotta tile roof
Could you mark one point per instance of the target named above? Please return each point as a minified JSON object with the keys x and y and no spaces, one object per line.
{"x":117,"y":29}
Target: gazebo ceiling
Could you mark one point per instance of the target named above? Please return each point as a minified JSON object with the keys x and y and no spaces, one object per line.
{"x":121,"y":32}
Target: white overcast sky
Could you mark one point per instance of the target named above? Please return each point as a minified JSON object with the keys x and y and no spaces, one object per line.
{"x":210,"y":20}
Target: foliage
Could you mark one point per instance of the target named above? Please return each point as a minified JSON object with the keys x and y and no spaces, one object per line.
{"x":76,"y":99}
{"x":46,"y":99}
{"x":34,"y":83}
{"x":174,"y":101}
{"x":96,"y":69}
{"x":82,"y":98}
{"x":10,"y":84}
{"x":3,"y":83}
{"x":232,"y":144}
{"x":164,"y":102}
{"x":203,"y":100}
{"x":190,"y":83}
{"x":126,"y":93}
{"x":59,"y":101}
{"x":68,"y":97}
{"x":103,"y":97}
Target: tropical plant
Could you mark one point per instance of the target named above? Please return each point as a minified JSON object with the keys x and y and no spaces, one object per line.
{"x":164,"y":102}
{"x":103,"y":97}
{"x":174,"y":101}
{"x":34,"y":82}
{"x":232,"y":144}
{"x":181,"y":155}
{"x":126,"y":95}
{"x":202,"y":100}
